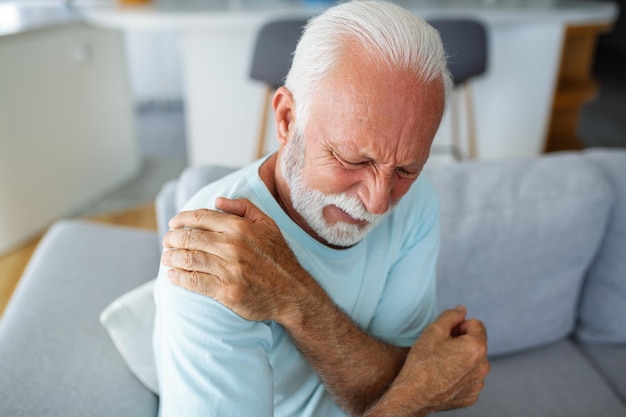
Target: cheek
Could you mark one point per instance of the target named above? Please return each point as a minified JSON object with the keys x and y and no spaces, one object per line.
{"x":400,"y":188}
{"x":329,"y":179}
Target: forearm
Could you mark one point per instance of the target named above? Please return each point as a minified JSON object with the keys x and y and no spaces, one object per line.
{"x":398,"y":401}
{"x":355,"y":367}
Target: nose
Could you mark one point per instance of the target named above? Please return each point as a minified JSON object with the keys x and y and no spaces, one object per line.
{"x":376,"y":193}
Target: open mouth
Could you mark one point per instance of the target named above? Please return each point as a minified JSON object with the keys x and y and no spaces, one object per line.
{"x":339,"y":215}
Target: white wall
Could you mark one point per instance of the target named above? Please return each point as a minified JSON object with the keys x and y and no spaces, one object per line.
{"x":154,"y":65}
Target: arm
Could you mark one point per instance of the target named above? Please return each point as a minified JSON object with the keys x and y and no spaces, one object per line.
{"x":241,"y":260}
{"x":355,"y":367}
{"x":360,"y":363}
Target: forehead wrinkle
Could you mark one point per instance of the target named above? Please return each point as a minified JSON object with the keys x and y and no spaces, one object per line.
{"x":364,"y":103}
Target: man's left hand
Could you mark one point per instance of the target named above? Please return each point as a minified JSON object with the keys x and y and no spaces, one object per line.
{"x":237,"y":256}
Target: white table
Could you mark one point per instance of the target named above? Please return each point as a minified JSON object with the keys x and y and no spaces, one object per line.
{"x":66,"y":118}
{"x":512,"y":100}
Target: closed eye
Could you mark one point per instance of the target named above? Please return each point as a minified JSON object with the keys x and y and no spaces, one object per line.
{"x":404,"y":173}
{"x":350,"y":163}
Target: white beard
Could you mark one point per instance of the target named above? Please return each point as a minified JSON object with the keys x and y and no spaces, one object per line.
{"x":310,"y":203}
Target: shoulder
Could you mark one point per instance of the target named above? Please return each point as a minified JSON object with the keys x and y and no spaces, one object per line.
{"x":233,"y":185}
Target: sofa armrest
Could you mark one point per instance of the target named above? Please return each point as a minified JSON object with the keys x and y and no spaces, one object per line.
{"x":56,"y":359}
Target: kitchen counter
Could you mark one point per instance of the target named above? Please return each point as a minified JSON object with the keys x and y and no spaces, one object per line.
{"x":18,"y":18}
{"x":186,"y":14}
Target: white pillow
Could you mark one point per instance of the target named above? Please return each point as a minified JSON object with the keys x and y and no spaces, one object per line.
{"x":130,"y":321}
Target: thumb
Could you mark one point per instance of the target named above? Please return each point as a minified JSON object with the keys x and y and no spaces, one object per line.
{"x":241,"y":207}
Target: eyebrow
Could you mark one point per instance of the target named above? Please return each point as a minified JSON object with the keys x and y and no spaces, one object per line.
{"x":361,"y":158}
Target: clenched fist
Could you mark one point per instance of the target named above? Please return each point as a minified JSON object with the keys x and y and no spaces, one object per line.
{"x":445,"y":369}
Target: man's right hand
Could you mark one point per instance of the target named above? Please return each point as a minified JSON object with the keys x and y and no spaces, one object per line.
{"x":445,"y":369}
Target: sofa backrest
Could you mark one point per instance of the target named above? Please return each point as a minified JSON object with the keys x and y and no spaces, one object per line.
{"x":174,"y":194}
{"x":603,"y":302}
{"x":517,"y":239}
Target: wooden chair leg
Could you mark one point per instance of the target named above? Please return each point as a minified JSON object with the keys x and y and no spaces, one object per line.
{"x":472,"y":145}
{"x":454,"y":115}
{"x":265,"y":107}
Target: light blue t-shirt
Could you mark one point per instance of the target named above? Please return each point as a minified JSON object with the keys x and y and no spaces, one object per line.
{"x":211,"y":362}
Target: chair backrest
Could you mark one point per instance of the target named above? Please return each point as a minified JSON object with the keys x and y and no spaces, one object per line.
{"x":464,"y":40}
{"x":465,"y":43}
{"x":274,"y":49}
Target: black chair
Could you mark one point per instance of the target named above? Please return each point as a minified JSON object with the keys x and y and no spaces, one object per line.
{"x":465,"y":43}
{"x":271,"y":59}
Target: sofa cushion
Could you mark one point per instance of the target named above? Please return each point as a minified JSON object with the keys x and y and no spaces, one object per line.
{"x":55,"y":358}
{"x":517,"y":239}
{"x":129,"y":319}
{"x":555,"y":380}
{"x":603,"y":302}
{"x":611,"y":362}
{"x":194,"y":178}
{"x":165,"y":207}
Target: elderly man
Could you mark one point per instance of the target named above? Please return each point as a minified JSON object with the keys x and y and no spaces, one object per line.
{"x":302,"y":294}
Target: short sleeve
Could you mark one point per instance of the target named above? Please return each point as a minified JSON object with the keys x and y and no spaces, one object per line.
{"x":209,"y":360}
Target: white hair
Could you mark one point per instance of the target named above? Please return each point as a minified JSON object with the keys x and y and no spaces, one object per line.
{"x":384,"y":30}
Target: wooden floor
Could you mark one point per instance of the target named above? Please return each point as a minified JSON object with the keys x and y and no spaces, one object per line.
{"x":13,"y":264}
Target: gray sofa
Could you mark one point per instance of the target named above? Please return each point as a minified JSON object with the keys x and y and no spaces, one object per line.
{"x":536,"y":248}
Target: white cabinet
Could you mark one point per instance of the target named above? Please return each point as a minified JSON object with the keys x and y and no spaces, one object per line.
{"x":66,"y":124}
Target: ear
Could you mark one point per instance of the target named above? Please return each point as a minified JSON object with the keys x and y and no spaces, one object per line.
{"x":284,"y":114}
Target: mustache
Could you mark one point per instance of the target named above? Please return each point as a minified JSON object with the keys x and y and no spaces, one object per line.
{"x":353,"y":206}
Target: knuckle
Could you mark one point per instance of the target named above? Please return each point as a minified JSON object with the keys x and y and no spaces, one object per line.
{"x":438,"y":327}
{"x":189,"y":260}
{"x":186,"y":238}
{"x":195,"y":281}
{"x":197,"y":216}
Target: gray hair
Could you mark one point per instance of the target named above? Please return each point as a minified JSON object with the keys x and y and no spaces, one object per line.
{"x":385,"y":30}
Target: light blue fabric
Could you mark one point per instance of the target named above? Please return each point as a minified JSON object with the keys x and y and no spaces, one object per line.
{"x":517,"y":240}
{"x":212,"y":362}
{"x":603,"y":304}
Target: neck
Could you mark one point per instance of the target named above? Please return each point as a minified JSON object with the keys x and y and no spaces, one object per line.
{"x":267,"y":173}
{"x":272,"y":177}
